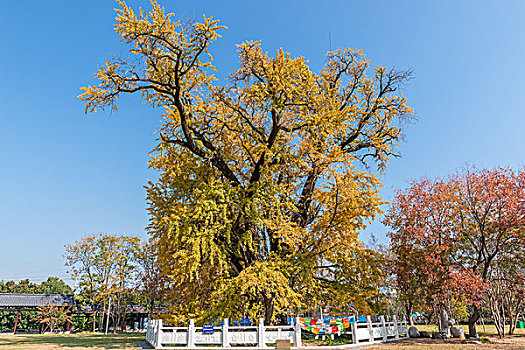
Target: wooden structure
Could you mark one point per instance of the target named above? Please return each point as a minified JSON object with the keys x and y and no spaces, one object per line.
{"x":15,"y":302}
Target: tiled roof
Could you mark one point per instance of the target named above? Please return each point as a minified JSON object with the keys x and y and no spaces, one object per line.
{"x":34,"y":300}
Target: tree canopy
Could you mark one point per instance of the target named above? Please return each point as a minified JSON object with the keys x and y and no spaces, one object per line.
{"x":265,"y":179}
{"x":105,"y":267}
{"x":53,"y":285}
{"x":451,"y":238}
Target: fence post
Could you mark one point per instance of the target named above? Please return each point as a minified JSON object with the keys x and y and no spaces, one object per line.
{"x":225,"y":336}
{"x":158,"y":334}
{"x":191,"y":334}
{"x":354,"y":331}
{"x":370,"y":328}
{"x":298,"y":341}
{"x":396,"y":326}
{"x":383,"y":327}
{"x":260,"y":334}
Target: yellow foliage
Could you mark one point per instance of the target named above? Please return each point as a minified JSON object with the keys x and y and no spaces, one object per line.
{"x":265,"y":180}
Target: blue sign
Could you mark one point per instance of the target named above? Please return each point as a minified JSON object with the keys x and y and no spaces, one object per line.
{"x":207,"y":329}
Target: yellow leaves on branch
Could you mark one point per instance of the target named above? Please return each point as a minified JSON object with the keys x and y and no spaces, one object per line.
{"x":259,"y":177}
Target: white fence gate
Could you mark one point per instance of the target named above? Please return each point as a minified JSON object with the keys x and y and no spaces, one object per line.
{"x":256,"y":337}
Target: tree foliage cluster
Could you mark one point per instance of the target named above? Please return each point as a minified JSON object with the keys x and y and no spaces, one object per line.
{"x":113,"y":272}
{"x":460,"y":241}
{"x":51,"y":317}
{"x":266,"y":179}
{"x":53,"y":285}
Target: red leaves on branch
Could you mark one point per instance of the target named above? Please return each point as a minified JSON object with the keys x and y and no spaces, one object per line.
{"x":447,"y":234}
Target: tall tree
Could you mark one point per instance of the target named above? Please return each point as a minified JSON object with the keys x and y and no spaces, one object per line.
{"x":260,"y":198}
{"x":450,"y":232}
{"x":491,"y":220}
{"x":105,"y":267}
{"x":154,"y":285}
{"x":81,"y":259}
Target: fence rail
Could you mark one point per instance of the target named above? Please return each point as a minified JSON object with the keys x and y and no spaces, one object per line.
{"x":257,"y":337}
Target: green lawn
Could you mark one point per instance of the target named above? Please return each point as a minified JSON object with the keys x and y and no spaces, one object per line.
{"x":487,"y":331}
{"x":488,"y":334}
{"x":70,"y":341}
{"x":128,"y":341}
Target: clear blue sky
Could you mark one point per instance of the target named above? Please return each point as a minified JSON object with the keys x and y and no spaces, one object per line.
{"x":64,"y":175}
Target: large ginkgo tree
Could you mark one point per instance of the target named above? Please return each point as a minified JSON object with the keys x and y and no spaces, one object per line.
{"x":265,"y":179}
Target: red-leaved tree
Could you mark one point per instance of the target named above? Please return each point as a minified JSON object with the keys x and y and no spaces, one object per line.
{"x":447,"y":234}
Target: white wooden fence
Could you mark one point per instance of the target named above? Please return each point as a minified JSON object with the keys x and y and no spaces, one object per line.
{"x":225,"y":336}
{"x":256,"y":337}
{"x":381,"y":331}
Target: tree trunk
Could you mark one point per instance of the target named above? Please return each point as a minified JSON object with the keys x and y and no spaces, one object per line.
{"x":443,"y":320}
{"x":123,"y":324}
{"x":512,"y":324}
{"x":429,"y":316}
{"x":117,"y":322}
{"x":268,"y":309}
{"x":439,"y":319}
{"x":496,"y":302}
{"x":513,"y":305}
{"x":107,"y":320}
{"x":472,"y":322}
{"x":498,"y":316}
{"x":101,"y":318}
{"x":410,"y":311}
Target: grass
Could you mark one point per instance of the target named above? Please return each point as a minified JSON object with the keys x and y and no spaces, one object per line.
{"x":128,"y":341}
{"x":487,"y":331}
{"x":489,"y":340}
{"x":308,"y":339}
{"x":70,"y":341}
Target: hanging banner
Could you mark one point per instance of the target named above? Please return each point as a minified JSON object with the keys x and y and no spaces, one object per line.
{"x":326,"y":325}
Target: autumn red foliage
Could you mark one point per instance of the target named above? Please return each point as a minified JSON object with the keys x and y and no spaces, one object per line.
{"x":447,"y":234}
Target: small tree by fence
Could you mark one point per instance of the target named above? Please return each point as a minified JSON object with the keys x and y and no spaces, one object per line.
{"x":52,"y":316}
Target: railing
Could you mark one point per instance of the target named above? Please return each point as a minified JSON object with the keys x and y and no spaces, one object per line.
{"x":225,"y":336}
{"x":257,"y":337}
{"x":381,"y":331}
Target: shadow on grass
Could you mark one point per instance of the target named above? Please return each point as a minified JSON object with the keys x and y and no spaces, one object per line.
{"x":72,"y":341}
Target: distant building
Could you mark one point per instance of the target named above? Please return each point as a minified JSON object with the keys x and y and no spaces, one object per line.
{"x":13,"y":302}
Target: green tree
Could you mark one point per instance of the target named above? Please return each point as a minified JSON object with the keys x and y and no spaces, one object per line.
{"x":55,"y":285}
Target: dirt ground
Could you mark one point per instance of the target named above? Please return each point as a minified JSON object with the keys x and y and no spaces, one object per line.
{"x":434,"y":344}
{"x":488,"y":335}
